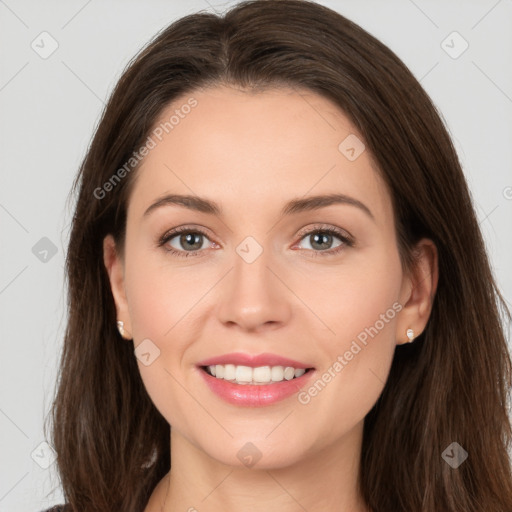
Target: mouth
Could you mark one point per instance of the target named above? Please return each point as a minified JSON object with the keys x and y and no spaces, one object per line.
{"x":257,"y":376}
{"x":254,"y":380}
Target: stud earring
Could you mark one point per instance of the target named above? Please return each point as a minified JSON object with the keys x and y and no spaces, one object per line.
{"x":410,"y":335}
{"x":120,"y":328}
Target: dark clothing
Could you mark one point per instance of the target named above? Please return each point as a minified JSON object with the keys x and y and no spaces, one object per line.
{"x":56,"y":508}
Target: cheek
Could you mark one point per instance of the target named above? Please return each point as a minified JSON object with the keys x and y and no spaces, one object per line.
{"x":357,"y":295}
{"x":161,"y":311}
{"x":358,"y":348}
{"x":165,"y":307}
{"x":159,"y":296}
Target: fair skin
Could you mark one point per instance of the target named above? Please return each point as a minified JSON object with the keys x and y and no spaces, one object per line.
{"x":251,"y":153}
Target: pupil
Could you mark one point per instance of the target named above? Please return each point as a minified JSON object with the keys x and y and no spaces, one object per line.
{"x":325,"y":238}
{"x":189,"y":237}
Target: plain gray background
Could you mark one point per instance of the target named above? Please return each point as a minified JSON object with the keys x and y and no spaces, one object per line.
{"x":50,"y":106}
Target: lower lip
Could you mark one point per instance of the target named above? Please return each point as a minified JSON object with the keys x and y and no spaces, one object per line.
{"x":255,"y":395}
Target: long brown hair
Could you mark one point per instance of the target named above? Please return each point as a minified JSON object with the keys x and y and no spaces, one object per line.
{"x":450,"y":385}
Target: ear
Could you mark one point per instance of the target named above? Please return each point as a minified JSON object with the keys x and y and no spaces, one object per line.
{"x":114,"y":264}
{"x":418,"y":291}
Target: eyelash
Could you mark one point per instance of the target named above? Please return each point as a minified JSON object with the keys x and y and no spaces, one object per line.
{"x":347,"y":242}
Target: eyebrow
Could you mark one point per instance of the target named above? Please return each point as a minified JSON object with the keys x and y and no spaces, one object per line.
{"x":294,"y":206}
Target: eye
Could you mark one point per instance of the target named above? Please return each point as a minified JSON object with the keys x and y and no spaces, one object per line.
{"x":183,"y":241}
{"x":322,"y":238}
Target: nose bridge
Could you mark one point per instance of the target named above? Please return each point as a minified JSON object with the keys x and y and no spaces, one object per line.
{"x":251,"y":265}
{"x":254,"y":295}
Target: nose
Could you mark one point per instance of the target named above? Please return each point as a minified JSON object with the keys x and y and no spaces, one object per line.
{"x":254,"y":296}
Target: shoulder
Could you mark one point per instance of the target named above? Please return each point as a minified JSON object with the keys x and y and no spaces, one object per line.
{"x":56,"y":508}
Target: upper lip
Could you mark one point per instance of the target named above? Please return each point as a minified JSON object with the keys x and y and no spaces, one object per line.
{"x":254,"y":361}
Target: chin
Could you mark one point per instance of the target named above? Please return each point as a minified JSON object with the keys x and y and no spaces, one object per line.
{"x":256,"y":452}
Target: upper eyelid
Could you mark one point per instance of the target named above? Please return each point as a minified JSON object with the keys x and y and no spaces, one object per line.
{"x":323,"y":227}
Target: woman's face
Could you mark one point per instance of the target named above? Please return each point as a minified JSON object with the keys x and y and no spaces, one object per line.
{"x":254,"y":279}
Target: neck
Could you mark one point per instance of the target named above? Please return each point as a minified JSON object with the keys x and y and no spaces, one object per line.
{"x":325,"y":480}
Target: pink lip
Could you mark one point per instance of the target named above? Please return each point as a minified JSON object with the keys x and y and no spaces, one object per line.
{"x":255,"y":395}
{"x":241,"y":359}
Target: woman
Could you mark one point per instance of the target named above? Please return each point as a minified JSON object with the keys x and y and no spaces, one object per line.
{"x":333,"y":340}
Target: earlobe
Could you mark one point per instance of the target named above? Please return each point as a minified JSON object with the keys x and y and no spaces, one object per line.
{"x":114,"y":265}
{"x":421,"y":285}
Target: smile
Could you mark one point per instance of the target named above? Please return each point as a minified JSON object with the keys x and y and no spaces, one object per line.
{"x":260,"y":375}
{"x":254,"y":380}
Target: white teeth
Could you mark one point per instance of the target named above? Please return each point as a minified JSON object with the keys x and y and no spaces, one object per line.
{"x":289,"y":373}
{"x":229,"y":372}
{"x":243,"y":374}
{"x":277,"y":373}
{"x":260,"y":375}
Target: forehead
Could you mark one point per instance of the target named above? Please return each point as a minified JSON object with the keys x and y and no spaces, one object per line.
{"x":246,"y":149}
